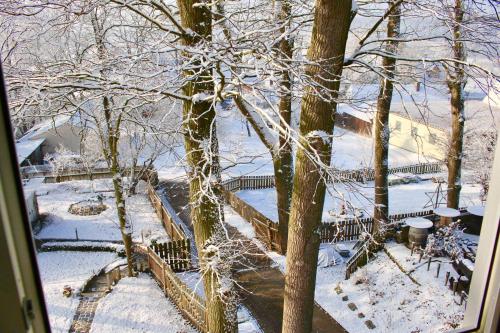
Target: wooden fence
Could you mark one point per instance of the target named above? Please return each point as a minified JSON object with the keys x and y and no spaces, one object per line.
{"x":68,"y":174}
{"x":167,"y":215}
{"x":360,"y":175}
{"x":349,"y":229}
{"x":359,"y":259}
{"x":188,"y":302}
{"x":176,"y":254}
{"x":265,"y":229}
{"x":345,"y":230}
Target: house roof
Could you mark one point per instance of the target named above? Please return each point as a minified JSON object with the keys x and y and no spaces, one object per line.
{"x":430,"y":105}
{"x":24,"y":148}
{"x":43,"y":127}
{"x":437,"y":114}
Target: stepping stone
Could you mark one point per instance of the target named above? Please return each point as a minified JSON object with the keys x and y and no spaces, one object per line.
{"x":370,"y":324}
{"x":338,"y":290}
{"x":345,"y":298}
{"x":352,"y":306}
{"x":361,"y":315}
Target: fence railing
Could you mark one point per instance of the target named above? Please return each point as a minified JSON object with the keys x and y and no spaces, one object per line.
{"x":176,"y":254}
{"x":188,"y":302}
{"x":167,"y":215}
{"x":345,"y":230}
{"x":79,"y":173}
{"x":359,"y":259}
{"x":360,"y":175}
{"x":348,"y":229}
{"x":265,"y":229}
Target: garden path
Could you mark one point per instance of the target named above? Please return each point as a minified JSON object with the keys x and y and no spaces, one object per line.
{"x":261,"y":288}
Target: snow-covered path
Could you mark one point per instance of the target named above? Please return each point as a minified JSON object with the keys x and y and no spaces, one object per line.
{"x":138,"y":305}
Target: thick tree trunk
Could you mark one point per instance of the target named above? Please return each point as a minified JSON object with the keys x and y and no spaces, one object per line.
{"x":329,"y":35}
{"x":206,"y":213}
{"x":283,"y":160}
{"x":456,"y":83}
{"x":382,"y":130}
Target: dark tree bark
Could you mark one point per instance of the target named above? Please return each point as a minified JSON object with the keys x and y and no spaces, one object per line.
{"x":283,"y":159}
{"x":329,"y":35}
{"x":199,"y":129}
{"x":382,"y":130}
{"x":456,"y":83}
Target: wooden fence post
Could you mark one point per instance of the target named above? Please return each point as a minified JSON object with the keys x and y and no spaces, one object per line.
{"x":164,"y":277}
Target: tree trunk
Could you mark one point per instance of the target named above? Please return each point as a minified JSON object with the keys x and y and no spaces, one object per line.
{"x":326,"y":52}
{"x":283,"y":160}
{"x":382,"y":130}
{"x":456,"y":83}
{"x":111,"y":153}
{"x":206,"y":213}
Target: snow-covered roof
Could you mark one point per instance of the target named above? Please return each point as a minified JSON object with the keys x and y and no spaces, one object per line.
{"x":44,"y":126}
{"x":24,"y":148}
{"x":430,"y":105}
{"x":436,"y":113}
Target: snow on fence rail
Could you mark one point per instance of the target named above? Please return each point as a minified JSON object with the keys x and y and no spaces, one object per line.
{"x":187,"y":301}
{"x":167,"y":216}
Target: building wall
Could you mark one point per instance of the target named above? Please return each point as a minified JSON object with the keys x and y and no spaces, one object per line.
{"x":416,"y":137}
{"x":65,"y":135}
{"x":353,"y":124}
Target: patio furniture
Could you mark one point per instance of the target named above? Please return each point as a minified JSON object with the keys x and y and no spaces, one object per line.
{"x":446,"y":215}
{"x":417,"y":235}
{"x":472,"y":223}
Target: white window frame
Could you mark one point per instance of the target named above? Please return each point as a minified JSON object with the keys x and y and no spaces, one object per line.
{"x":483,"y":305}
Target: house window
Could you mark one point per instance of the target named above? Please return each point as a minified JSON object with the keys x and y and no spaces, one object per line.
{"x":432,"y":138}
{"x":414,"y":131}
{"x":397,"y":127}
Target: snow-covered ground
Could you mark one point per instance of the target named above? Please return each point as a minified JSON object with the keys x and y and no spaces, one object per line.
{"x":389,"y":298}
{"x":58,"y":269}
{"x":381,"y":291}
{"x":402,"y":198}
{"x":138,"y":305}
{"x":55,"y":199}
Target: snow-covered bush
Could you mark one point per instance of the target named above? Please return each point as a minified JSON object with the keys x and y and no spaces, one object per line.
{"x":445,"y":242}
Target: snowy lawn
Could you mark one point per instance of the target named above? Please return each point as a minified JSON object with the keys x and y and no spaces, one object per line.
{"x":58,"y":269}
{"x":388,"y":298}
{"x":138,"y":305}
{"x":55,"y":199}
{"x":402,"y":198}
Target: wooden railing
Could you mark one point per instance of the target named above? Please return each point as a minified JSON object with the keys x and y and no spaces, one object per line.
{"x":79,"y":173}
{"x":265,"y":229}
{"x":349,"y":229}
{"x":171,"y":222}
{"x":359,"y":259}
{"x":345,"y":230}
{"x":187,"y":301}
{"x":360,"y":175}
{"x":176,"y":254}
